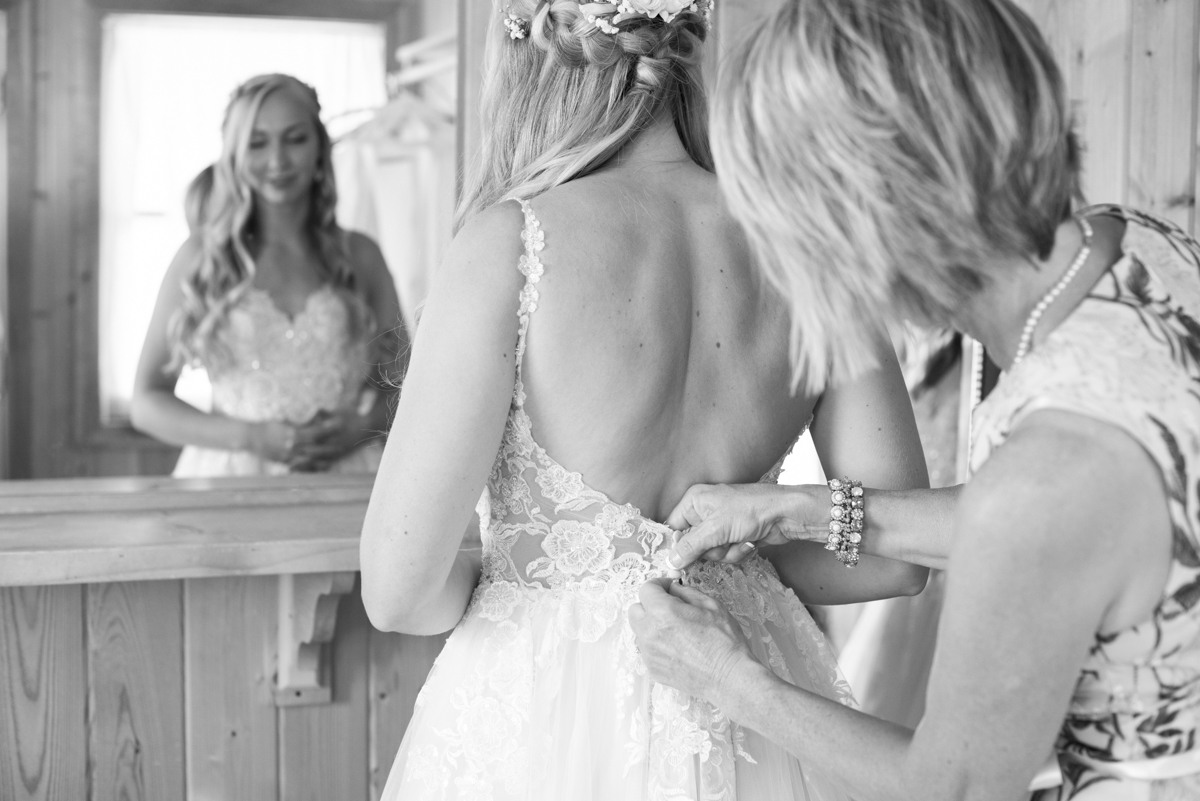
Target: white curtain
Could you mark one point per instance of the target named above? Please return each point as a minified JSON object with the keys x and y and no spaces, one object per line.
{"x":165,"y":82}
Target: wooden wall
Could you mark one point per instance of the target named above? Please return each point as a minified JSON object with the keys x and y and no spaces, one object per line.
{"x":161,"y":690}
{"x":1132,"y":68}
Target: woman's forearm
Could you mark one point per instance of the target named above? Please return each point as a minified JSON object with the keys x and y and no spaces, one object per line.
{"x":163,"y":416}
{"x":867,"y":753}
{"x":912,"y":525}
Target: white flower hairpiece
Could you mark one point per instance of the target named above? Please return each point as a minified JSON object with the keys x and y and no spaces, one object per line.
{"x":517,"y":27}
{"x":666,"y":10}
{"x":606,"y":16}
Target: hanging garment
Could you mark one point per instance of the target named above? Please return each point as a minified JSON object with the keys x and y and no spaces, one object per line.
{"x":396,"y":183}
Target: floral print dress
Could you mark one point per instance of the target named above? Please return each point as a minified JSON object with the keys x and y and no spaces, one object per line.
{"x":540,"y":694}
{"x":1129,"y":355}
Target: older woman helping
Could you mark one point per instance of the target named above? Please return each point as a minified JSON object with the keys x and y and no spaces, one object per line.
{"x":937,"y":182}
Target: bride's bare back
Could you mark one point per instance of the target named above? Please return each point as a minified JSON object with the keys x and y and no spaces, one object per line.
{"x":657,"y":359}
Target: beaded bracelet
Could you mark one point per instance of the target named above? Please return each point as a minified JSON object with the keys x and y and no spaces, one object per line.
{"x":847,"y":517}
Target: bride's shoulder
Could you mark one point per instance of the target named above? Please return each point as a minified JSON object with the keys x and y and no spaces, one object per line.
{"x":588,"y":194}
{"x":481,"y":261}
{"x":488,"y":236}
{"x":475,"y":289}
{"x":620,"y":210}
{"x":500,"y":222}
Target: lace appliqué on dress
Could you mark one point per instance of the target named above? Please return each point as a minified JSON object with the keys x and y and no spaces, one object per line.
{"x":287,"y":368}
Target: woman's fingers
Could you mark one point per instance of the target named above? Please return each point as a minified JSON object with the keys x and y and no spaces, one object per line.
{"x":653,"y":593}
{"x":686,"y":514}
{"x":706,"y":536}
{"x":322,"y":428}
{"x":693,"y":596}
{"x":736,"y":554}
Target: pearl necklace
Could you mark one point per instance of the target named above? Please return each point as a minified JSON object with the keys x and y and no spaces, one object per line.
{"x":1031,"y":322}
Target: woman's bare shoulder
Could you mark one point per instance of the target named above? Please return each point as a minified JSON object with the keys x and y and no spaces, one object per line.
{"x":367,"y":261}
{"x":1072,"y":495}
{"x":492,"y":234}
{"x":186,"y":261}
{"x":484,"y":256}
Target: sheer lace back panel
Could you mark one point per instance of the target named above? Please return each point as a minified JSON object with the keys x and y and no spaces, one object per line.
{"x":278,"y":367}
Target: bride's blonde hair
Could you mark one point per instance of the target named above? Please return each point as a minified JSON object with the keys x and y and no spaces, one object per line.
{"x":564,"y":99}
{"x":220,"y":211}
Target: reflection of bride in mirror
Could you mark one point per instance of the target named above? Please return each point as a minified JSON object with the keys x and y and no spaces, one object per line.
{"x":290,"y":315}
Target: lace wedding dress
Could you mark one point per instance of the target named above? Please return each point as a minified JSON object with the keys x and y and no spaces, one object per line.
{"x":540,"y":692}
{"x":273,"y":366}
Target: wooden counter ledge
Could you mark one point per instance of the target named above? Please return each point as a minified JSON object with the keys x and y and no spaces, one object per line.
{"x":77,"y":531}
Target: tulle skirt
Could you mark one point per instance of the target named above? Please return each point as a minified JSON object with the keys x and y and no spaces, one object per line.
{"x":540,"y":695}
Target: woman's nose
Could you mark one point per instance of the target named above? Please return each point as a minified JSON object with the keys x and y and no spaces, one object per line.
{"x":277,"y":156}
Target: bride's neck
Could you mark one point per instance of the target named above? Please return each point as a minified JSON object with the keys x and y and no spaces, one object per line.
{"x":657,"y":145}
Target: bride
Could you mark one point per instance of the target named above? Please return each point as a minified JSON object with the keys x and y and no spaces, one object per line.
{"x":595,"y":343}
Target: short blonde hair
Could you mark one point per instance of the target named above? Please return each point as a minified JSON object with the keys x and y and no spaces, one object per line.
{"x":560,"y":102}
{"x":881,"y":153}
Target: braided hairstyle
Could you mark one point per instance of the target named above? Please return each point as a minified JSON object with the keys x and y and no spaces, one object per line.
{"x":560,"y":102}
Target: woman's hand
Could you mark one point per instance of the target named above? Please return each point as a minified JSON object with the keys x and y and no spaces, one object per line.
{"x":688,"y":640}
{"x":326,"y":438}
{"x":273,"y":441}
{"x":724,"y":523}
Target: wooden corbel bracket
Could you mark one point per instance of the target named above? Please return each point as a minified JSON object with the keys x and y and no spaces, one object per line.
{"x":308,"y":606}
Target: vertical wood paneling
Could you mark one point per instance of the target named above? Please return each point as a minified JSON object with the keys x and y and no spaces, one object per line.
{"x":4,"y":313}
{"x":43,"y":739}
{"x":400,"y":663}
{"x":1163,"y":86}
{"x":135,"y":670}
{"x":22,"y":142}
{"x":1091,"y":42}
{"x":61,"y":203}
{"x":323,"y":751}
{"x":229,"y":666}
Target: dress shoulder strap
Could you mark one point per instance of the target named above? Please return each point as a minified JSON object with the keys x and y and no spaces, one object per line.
{"x":530,"y":265}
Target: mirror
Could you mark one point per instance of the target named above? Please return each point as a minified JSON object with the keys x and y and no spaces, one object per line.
{"x":112,"y":107}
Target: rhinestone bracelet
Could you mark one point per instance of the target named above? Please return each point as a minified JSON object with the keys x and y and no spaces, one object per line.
{"x":846,"y":520}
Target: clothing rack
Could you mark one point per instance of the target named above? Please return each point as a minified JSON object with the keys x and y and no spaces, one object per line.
{"x":418,"y":73}
{"x":423,"y":59}
{"x":410,"y":53}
